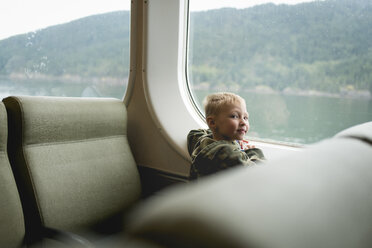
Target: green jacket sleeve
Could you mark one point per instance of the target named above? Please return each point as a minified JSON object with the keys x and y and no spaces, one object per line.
{"x":210,"y":156}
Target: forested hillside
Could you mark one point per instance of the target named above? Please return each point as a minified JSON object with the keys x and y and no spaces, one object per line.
{"x":323,"y":45}
{"x":95,"y":46}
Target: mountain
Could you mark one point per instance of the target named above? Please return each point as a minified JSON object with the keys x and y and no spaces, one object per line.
{"x":93,"y":46}
{"x":323,"y":45}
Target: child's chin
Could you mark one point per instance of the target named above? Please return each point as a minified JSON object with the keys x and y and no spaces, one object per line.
{"x":241,"y":135}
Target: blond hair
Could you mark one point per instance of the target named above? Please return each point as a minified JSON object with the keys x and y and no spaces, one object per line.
{"x":214,"y":102}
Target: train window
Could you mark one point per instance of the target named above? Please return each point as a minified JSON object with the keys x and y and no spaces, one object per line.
{"x":64,"y":48}
{"x":304,"y":67}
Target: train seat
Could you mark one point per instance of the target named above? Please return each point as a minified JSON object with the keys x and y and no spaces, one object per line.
{"x":318,"y":197}
{"x":12,"y":228}
{"x":73,"y":164}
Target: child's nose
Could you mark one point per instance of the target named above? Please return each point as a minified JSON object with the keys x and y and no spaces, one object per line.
{"x":244,"y":122}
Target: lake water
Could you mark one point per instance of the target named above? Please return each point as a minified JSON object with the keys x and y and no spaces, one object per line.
{"x":287,"y":118}
{"x":89,"y":88}
{"x":300,"y":119}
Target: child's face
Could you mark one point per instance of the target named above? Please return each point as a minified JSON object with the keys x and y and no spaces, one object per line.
{"x":231,"y":123}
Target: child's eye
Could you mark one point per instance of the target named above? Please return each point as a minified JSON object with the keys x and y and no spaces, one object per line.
{"x":245,"y":118}
{"x":234,"y":116}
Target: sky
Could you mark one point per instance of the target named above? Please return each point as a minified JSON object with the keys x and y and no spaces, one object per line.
{"x":197,"y":5}
{"x":22,"y":16}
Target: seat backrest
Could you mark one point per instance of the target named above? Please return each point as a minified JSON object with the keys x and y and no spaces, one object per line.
{"x":12,"y":229}
{"x":73,"y":160}
{"x":317,"y":197}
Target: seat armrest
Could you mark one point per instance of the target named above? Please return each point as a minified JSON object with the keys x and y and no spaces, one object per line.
{"x":68,"y":238}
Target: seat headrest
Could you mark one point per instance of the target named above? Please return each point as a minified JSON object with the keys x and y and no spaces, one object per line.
{"x":362,"y":131}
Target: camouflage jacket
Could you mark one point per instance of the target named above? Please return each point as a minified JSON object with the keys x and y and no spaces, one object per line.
{"x":210,"y":156}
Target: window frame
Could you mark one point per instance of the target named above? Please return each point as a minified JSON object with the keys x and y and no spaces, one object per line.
{"x":164,"y":77}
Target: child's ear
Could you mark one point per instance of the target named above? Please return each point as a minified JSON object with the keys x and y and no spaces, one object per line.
{"x":211,"y":122}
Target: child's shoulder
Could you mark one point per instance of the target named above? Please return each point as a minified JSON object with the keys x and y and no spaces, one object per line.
{"x":196,"y":136}
{"x":199,"y":132}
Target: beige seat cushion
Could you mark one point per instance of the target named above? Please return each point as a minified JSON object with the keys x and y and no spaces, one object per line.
{"x":12,"y":229}
{"x":319,"y":197}
{"x":74,"y":159}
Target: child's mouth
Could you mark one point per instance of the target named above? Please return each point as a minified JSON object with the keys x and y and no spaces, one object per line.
{"x":241,"y":131}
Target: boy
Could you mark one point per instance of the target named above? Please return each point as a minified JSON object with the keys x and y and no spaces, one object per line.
{"x":223,"y":145}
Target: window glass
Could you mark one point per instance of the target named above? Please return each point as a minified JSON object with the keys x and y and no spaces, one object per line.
{"x":74,"y":48}
{"x":303,"y":67}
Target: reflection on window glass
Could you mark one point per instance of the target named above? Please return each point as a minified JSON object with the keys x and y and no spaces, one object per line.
{"x":304,"y":68}
{"x":50,"y":48}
